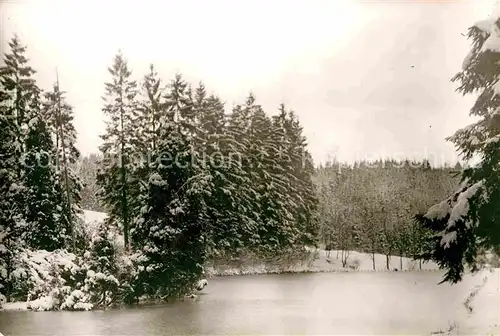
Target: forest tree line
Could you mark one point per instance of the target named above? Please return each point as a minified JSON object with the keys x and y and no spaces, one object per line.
{"x":363,"y":206}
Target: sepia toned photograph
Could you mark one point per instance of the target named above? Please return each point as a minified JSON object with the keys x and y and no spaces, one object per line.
{"x":249,"y":167}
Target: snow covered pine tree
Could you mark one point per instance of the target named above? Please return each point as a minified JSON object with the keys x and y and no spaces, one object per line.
{"x":173,"y":224}
{"x":468,"y":222}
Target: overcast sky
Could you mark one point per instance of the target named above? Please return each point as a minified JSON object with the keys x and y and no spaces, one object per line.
{"x":366,"y":78}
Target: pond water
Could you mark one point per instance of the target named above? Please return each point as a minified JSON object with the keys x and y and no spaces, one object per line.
{"x":328,"y":303}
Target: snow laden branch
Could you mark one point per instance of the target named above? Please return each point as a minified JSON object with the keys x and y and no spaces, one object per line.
{"x":454,"y":210}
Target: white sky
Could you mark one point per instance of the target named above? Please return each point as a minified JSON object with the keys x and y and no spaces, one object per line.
{"x":344,"y":66}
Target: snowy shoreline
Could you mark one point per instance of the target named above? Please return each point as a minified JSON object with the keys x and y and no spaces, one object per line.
{"x":357,"y":262}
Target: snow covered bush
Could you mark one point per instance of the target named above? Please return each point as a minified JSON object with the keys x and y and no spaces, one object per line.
{"x":45,"y":278}
{"x":60,"y":280}
{"x":101,"y":283}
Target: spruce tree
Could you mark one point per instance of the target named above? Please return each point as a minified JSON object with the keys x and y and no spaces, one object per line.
{"x":46,"y":230}
{"x":17,"y":80}
{"x":173,"y":227}
{"x":119,"y":143}
{"x":150,"y":111}
{"x":236,"y":142}
{"x":17,"y":88}
{"x":468,"y":221}
{"x":226,"y":237}
{"x":303,"y":170}
{"x":276,"y":223}
{"x":11,"y":190}
{"x":101,"y":281}
{"x":59,"y":116}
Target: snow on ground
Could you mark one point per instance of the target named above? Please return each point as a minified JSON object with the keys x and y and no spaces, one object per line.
{"x":486,"y":308}
{"x":484,"y":319}
{"x":15,"y":306}
{"x":325,"y":262}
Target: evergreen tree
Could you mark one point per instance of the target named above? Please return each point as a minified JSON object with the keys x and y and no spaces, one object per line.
{"x":303,"y":170}
{"x":236,"y":143}
{"x":115,"y":177}
{"x":151,"y":109}
{"x":467,"y":221}
{"x":46,"y":229}
{"x":11,"y":190}
{"x":226,"y":236}
{"x":17,"y":88}
{"x":18,"y":83}
{"x":59,"y":116}
{"x":204,"y":119}
{"x":270,"y":179}
{"x":173,"y":226}
{"x":148,"y":127}
{"x":101,"y":281}
{"x":17,"y":78}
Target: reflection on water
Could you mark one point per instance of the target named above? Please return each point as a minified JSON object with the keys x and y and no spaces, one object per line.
{"x":330,"y":303}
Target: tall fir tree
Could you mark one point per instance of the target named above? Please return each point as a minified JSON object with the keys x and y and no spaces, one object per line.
{"x":303,"y":170}
{"x":150,"y":110}
{"x":59,"y":116}
{"x":276,"y":229}
{"x":44,"y":202}
{"x":17,"y":78}
{"x":173,"y":227}
{"x":17,"y":90}
{"x":237,"y":143}
{"x":39,"y":201}
{"x":11,"y":189}
{"x":119,"y":143}
{"x":468,"y":221}
{"x":18,"y":82}
{"x":226,"y":236}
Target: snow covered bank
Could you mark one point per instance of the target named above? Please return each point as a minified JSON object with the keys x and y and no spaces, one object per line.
{"x":15,"y":306}
{"x":480,"y":312}
{"x":323,"y":261}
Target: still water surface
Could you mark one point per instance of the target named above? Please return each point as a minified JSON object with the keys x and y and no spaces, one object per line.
{"x":328,"y":303}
